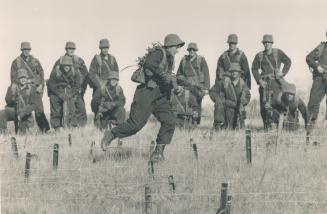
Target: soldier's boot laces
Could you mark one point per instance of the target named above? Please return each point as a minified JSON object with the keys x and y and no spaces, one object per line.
{"x":157,"y":155}
{"x":106,"y":140}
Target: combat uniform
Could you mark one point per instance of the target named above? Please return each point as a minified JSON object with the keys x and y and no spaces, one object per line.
{"x":63,"y":88}
{"x":36,"y":77}
{"x":79,"y":67}
{"x":193,"y":74}
{"x":112,"y":104}
{"x":21,"y":102}
{"x":266,"y":67}
{"x":100,"y":67}
{"x":230,"y":101}
{"x":317,"y":57}
{"x":152,"y":97}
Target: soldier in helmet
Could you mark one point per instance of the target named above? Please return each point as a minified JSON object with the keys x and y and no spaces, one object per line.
{"x":317,"y":61}
{"x":35,"y":78}
{"x":79,"y":67}
{"x":193,"y":74}
{"x":266,"y":69}
{"x":230,"y":100}
{"x":287,"y":102}
{"x":152,"y":97}
{"x":100,"y":67}
{"x":112,"y":102}
{"x":21,"y":102}
{"x":233,"y":55}
{"x":64,"y":86}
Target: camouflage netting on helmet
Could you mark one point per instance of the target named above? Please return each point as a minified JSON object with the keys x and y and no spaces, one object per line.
{"x":154,"y":46}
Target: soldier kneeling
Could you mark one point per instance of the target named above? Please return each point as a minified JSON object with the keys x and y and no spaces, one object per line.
{"x":230,"y":100}
{"x":186,"y":108}
{"x":21,"y":102}
{"x":112,"y":103}
{"x":288,"y":103}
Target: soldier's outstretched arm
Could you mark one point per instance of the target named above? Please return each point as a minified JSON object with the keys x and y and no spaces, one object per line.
{"x":246,"y":69}
{"x":286,"y":61}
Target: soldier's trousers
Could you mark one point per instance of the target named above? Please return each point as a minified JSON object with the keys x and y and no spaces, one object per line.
{"x":57,"y":114}
{"x":118,"y":115}
{"x":148,"y":101}
{"x":40,"y":117}
{"x":9,"y":114}
{"x":317,"y":93}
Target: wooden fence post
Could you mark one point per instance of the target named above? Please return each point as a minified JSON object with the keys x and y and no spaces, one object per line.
{"x":223,"y":199}
{"x":195,"y":150}
{"x":27,"y":166}
{"x":248,"y":146}
{"x":229,"y":204}
{"x":70,"y":139}
{"x":171,"y":183}
{"x":55,"y":156}
{"x":148,"y":199}
{"x":14,"y":147}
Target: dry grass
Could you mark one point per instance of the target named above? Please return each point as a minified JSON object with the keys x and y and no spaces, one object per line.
{"x":292,"y":180}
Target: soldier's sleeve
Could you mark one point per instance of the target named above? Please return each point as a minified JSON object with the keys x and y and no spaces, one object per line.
{"x":246,"y":96}
{"x":10,"y":97}
{"x":220,"y":68}
{"x":101,"y":106}
{"x":313,"y":57}
{"x":246,"y":69}
{"x":52,"y":83}
{"x":181,"y":79}
{"x":303,"y":109}
{"x":93,"y":73}
{"x":215,"y":92}
{"x":255,"y":69}
{"x":122,"y":98}
{"x":116,"y":68}
{"x":205,"y":70}
{"x":84,"y":72}
{"x":40,"y":70}
{"x":286,"y":61}
{"x":13,"y":72}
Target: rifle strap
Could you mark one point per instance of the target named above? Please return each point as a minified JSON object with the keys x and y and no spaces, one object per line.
{"x":179,"y":103}
{"x":108,"y":93}
{"x":27,"y":66}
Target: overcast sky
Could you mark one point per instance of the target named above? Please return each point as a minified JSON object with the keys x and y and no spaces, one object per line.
{"x":297,"y":26}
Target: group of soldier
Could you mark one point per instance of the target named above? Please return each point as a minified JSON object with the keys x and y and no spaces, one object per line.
{"x":172,"y":99}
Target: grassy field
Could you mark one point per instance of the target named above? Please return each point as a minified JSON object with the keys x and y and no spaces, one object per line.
{"x":289,"y":178}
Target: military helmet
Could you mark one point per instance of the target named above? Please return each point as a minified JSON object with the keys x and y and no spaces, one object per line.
{"x":235,"y":67}
{"x":289,"y":88}
{"x":22,"y":73}
{"x":25,"y":46}
{"x":113,"y":75}
{"x":267,"y":38}
{"x":66,"y":60}
{"x":232,"y":38}
{"x":193,"y":46}
{"x":70,"y":45}
{"x":173,"y":40}
{"x":104,"y":43}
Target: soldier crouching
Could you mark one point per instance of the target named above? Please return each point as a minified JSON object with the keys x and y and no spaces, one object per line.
{"x":63,"y":90}
{"x":230,"y":100}
{"x":21,"y":102}
{"x":112,"y":103}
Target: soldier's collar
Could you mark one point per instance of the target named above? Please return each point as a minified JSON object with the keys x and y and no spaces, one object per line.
{"x":236,"y":51}
{"x":24,"y":57}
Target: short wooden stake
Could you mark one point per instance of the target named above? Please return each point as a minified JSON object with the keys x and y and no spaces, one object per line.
{"x":248,"y":146}
{"x":229,"y":204}
{"x":223,"y":199}
{"x":195,"y":150}
{"x":55,"y":156}
{"x":148,"y":199}
{"x":14,"y":147}
{"x":27,"y":166}
{"x":70,"y":139}
{"x":171,"y":183}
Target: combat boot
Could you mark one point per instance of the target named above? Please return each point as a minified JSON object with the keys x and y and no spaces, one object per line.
{"x":106,"y":140}
{"x":157,"y":155}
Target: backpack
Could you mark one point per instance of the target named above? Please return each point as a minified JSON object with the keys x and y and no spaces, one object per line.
{"x":138,"y":75}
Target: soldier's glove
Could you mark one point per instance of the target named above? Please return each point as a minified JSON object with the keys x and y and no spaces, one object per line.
{"x":263,"y":83}
{"x":320,"y":69}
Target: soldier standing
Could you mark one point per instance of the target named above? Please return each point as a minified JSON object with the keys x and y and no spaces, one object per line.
{"x":193,"y":74}
{"x":100,"y":67}
{"x":80,"y":68}
{"x":317,"y":61}
{"x":64,"y":86}
{"x":112,"y":102}
{"x":266,"y":69}
{"x":152,"y":97}
{"x":233,"y":55}
{"x":230,"y":100}
{"x":35,"y":77}
{"x":21,"y":102}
